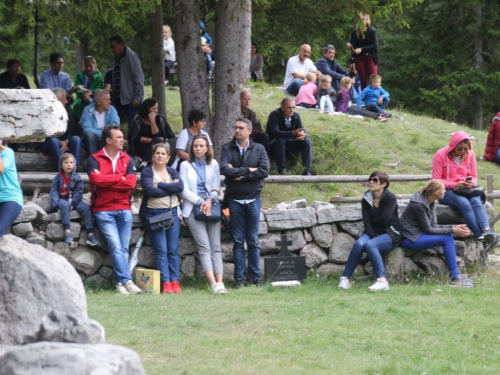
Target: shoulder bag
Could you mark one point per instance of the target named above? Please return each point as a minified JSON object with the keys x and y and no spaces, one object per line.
{"x":471,"y":192}
{"x":216,"y":207}
{"x":161,"y":221}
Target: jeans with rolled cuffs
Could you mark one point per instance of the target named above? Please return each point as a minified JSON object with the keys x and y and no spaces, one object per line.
{"x":426,"y":241}
{"x":374,"y":248}
{"x":378,"y":108}
{"x":9,"y":211}
{"x":245,"y":221}
{"x":471,"y":208}
{"x":166,"y":245}
{"x":116,"y":227}
{"x":82,"y":208}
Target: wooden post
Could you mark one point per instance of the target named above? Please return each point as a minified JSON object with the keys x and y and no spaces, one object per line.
{"x":489,"y":186}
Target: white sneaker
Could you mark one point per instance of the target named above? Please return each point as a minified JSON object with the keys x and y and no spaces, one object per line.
{"x":379,"y":285}
{"x":344,"y":283}
{"x":120,"y":288}
{"x":218,"y":288}
{"x":132,"y":288}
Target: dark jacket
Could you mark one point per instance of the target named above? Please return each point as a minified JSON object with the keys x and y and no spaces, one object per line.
{"x":331,"y":68}
{"x":419,"y":217}
{"x":163,"y":189}
{"x":276,"y":125}
{"x":385,"y":220}
{"x":70,"y":129}
{"x":251,"y":183}
{"x":7,"y":83}
{"x":368,"y":44}
{"x":75,"y":187}
{"x":135,"y":129}
{"x":205,"y":35}
{"x":330,"y":92}
{"x":256,"y":125}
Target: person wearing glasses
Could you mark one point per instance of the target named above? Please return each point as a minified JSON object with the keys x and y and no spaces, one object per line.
{"x":382,"y":231}
{"x":455,"y":165}
{"x":328,"y":66}
{"x":55,"y":77}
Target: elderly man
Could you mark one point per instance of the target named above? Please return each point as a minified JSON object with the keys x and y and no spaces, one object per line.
{"x":297,"y":68}
{"x":112,"y":177}
{"x":94,"y":118}
{"x":54,"y":147}
{"x":245,"y":165}
{"x":127,"y":82}
{"x":328,"y":66}
{"x":258,"y":135}
{"x":288,"y":135}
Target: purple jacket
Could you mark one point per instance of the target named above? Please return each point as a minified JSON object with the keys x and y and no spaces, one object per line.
{"x":343,"y":98}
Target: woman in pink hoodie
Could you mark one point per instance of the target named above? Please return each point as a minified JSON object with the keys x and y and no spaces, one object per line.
{"x":453,"y":165}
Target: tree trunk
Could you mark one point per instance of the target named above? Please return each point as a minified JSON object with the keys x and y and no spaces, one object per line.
{"x":36,"y":49}
{"x":157,"y":63}
{"x":227,"y":99}
{"x":478,"y":57}
{"x":82,"y":50}
{"x":191,"y":68}
{"x":245,"y":41}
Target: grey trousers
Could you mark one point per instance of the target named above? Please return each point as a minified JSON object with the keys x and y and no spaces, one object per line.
{"x":207,"y":238}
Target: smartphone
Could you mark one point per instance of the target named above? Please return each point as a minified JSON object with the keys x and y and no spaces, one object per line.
{"x":468,"y":179}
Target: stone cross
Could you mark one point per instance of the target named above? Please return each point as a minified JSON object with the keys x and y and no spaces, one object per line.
{"x":284,"y":243}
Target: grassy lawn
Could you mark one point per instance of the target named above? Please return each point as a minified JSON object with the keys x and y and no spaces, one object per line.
{"x":421,"y":327}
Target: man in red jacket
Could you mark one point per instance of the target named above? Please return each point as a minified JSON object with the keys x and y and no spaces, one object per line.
{"x":112,"y":177}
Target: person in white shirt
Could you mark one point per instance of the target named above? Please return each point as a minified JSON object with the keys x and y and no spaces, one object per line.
{"x":168,"y":51}
{"x":297,"y":68}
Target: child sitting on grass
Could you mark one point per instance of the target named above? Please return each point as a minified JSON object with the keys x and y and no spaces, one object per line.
{"x":307,"y":94}
{"x":325,"y":96}
{"x":66,"y":195}
{"x":375,"y":97}
{"x":344,"y":97}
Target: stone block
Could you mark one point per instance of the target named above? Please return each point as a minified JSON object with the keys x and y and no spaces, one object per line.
{"x":328,"y":269}
{"x":55,"y":231}
{"x":278,"y":220}
{"x":330,"y":213}
{"x":307,"y":235}
{"x":137,"y":222}
{"x":44,"y":202}
{"x":340,"y":248}
{"x":97,"y":279}
{"x":322,"y":235}
{"x":106,"y":272}
{"x":433,"y":265}
{"x":85,"y":260}
{"x":354,"y":228}
{"x":135,"y":235}
{"x":37,"y":240}
{"x":146,"y":257}
{"x":22,"y":229}
{"x":56,"y":216}
{"x":409,"y":266}
{"x":98,"y":235}
{"x":41,"y":214}
{"x":49,"y":245}
{"x":187,"y":246}
{"x":297,"y":238}
{"x":228,"y":271}
{"x":394,"y":265}
{"x":28,"y":213}
{"x":267,"y":243}
{"x":226,"y":248}
{"x":188,"y":265}
{"x":62,"y":249}
{"x":263,"y":228}
{"x":31,"y":115}
{"x":315,"y":256}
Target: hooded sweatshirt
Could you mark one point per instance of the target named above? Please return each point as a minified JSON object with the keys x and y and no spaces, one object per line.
{"x":446,"y":169}
{"x":493,"y":141}
{"x":205,"y":35}
{"x":74,"y":187}
{"x":420,"y":217}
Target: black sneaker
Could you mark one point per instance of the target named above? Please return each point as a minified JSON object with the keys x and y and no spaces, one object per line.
{"x":258,"y":283}
{"x":490,"y":241}
{"x":238,"y":284}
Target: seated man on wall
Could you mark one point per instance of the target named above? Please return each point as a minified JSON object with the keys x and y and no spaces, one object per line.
{"x":12,"y":78}
{"x":327,"y":65}
{"x":95,"y":117}
{"x":258,"y":135}
{"x":55,"y":77}
{"x":54,"y":147}
{"x":296,"y":69}
{"x":287,"y":134}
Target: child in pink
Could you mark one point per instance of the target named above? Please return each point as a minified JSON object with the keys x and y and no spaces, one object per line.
{"x":307,"y":93}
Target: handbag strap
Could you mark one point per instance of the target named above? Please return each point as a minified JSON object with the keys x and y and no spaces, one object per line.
{"x":201,"y":179}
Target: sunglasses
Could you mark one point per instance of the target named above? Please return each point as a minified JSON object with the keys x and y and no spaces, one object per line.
{"x":374,"y":179}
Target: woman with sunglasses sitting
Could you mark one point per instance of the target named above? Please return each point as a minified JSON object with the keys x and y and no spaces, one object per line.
{"x":382,"y":231}
{"x":455,"y":165}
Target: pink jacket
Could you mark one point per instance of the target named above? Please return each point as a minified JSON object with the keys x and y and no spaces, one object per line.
{"x":307,"y":94}
{"x":444,"y":167}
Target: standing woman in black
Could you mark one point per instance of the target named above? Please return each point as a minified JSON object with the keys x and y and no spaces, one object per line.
{"x":364,"y":46}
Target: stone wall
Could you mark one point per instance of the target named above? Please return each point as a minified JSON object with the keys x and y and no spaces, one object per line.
{"x":323,"y":233}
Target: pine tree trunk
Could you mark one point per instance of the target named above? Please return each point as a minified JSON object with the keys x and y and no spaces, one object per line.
{"x":478,"y":55}
{"x":245,"y":41}
{"x":227,"y":102}
{"x":82,"y":50}
{"x":191,"y":69}
{"x":157,"y":63}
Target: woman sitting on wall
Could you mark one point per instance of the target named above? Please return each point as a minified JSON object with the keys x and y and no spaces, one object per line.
{"x":11,"y":195}
{"x":382,"y":231}
{"x":421,"y":231}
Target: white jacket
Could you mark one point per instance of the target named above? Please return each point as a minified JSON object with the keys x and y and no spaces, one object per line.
{"x":190,"y":179}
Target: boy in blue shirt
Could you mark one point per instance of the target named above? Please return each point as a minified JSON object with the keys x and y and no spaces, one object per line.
{"x":375,"y":97}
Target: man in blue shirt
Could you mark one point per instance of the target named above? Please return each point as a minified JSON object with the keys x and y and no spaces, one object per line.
{"x":55,"y":77}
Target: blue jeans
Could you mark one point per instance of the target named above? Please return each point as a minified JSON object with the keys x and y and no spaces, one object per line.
{"x":283,"y":146}
{"x":377,"y":108}
{"x":8,"y":213}
{"x":472,"y":210}
{"x":116,"y":227}
{"x":82,"y":208}
{"x":498,"y":156}
{"x":166,"y":245}
{"x":426,"y":241}
{"x":294,"y":86}
{"x":326,"y":104}
{"x":373,"y":247}
{"x":91,"y":143}
{"x":208,"y":62}
{"x":53,"y":148}
{"x":245,"y":219}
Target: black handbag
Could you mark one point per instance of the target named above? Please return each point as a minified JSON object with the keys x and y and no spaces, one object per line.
{"x":160,"y":221}
{"x":216,"y":211}
{"x":471,"y":192}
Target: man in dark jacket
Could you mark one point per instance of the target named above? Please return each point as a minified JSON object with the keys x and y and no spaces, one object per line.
{"x":327,"y":65}
{"x":258,"y":135}
{"x":245,"y":165}
{"x":288,"y":135}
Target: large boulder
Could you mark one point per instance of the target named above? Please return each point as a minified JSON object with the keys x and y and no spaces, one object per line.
{"x":54,"y":358}
{"x":33,"y":282}
{"x":31,"y":115}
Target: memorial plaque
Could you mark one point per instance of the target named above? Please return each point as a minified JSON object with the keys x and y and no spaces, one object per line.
{"x":285,"y":267}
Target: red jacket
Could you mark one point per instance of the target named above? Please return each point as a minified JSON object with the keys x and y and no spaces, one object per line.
{"x":110,"y":191}
{"x":493,"y":141}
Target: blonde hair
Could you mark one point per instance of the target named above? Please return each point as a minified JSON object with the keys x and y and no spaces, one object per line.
{"x":310,"y":77}
{"x":373,"y":77}
{"x":91,"y":59}
{"x":364,"y":23}
{"x":433,"y":186}
{"x":344,"y":83}
{"x":325,"y":79}
{"x":168,"y":29}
